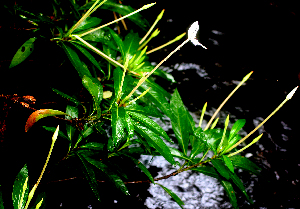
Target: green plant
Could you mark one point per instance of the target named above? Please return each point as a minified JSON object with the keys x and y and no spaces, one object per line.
{"x":122,"y":94}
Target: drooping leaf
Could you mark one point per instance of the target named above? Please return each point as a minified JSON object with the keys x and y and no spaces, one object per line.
{"x":89,"y":175}
{"x":142,"y":167}
{"x":245,"y":164}
{"x":89,"y":56}
{"x":76,"y":62}
{"x":173,"y":195}
{"x":221,"y":168}
{"x":236,"y":128}
{"x":155,"y":141}
{"x":95,"y":89}
{"x":20,"y":189}
{"x":208,"y":170}
{"x":114,"y":178}
{"x":89,"y":22}
{"x":70,"y":98}
{"x":39,"y":114}
{"x":180,"y":121}
{"x":24,"y":51}
{"x":240,"y":185}
{"x":153,"y":126}
{"x":228,"y":163}
{"x":118,"y":125}
{"x":230,"y":192}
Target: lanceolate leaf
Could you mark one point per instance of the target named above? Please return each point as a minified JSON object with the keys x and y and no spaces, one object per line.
{"x":89,"y":175}
{"x":211,"y":137}
{"x":89,"y":56}
{"x":240,"y":185}
{"x":197,"y":147}
{"x":177,"y":153}
{"x":118,"y":73}
{"x":173,"y":195}
{"x":110,"y":174}
{"x":150,"y":124}
{"x":60,"y":133}
{"x":118,"y":125}
{"x":131,"y":44}
{"x":39,"y":114}
{"x":21,"y":189}
{"x":72,"y":114}
{"x":88,"y":23}
{"x":129,"y":126}
{"x":180,"y":121}
{"x":94,"y":87}
{"x":154,"y":140}
{"x":76,"y":62}
{"x":72,"y":99}
{"x":208,"y":170}
{"x":230,"y":192}
{"x":119,"y":41}
{"x":24,"y":51}
{"x":236,"y":128}
{"x":142,"y":167}
{"x":228,"y":163}
{"x":221,"y":168}
{"x":244,"y":163}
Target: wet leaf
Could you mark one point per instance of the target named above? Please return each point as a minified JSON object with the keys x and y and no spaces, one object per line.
{"x":177,"y":153}
{"x":198,"y":146}
{"x":211,"y":137}
{"x":89,"y":22}
{"x":153,"y":126}
{"x":245,"y":164}
{"x":173,"y":195}
{"x":118,"y":73}
{"x":114,"y":178}
{"x":118,"y":125}
{"x":180,"y":122}
{"x":236,"y":128}
{"x":94,"y":87}
{"x":89,"y":175}
{"x":155,"y":141}
{"x":72,"y":114}
{"x":131,"y":44}
{"x":76,"y":62}
{"x":20,"y":189}
{"x":87,"y":130}
{"x":209,"y":171}
{"x":221,"y":168}
{"x":24,"y":51}
{"x":39,"y":114}
{"x":89,"y":56}
{"x":228,"y":163}
{"x":129,"y":126}
{"x":230,"y":192}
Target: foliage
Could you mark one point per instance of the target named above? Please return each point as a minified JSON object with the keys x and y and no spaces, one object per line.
{"x":115,"y":73}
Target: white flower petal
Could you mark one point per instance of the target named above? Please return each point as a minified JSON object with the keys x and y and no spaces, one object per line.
{"x":192,"y":32}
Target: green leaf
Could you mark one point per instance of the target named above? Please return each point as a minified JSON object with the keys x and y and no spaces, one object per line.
{"x":211,"y":137}
{"x":60,"y":133}
{"x":164,"y":75}
{"x":129,"y":126}
{"x":89,"y":22}
{"x":236,"y":128}
{"x":197,"y":147}
{"x":76,"y":62}
{"x":118,"y":125}
{"x":20,"y":189}
{"x":89,"y":175}
{"x":221,"y":168}
{"x":173,"y":195}
{"x":40,"y":201}
{"x":87,"y":130}
{"x":93,"y":146}
{"x":118,"y":182}
{"x":153,"y":126}
{"x":228,"y":163}
{"x":72,"y":99}
{"x":142,"y":167}
{"x":234,"y":140}
{"x":95,"y":89}
{"x":125,"y":10}
{"x":240,"y":185}
{"x":155,"y":141}
{"x":209,"y":171}
{"x":24,"y":51}
{"x":131,"y":44}
{"x":1,"y":199}
{"x":118,"y":41}
{"x":177,"y":153}
{"x":39,"y":114}
{"x":245,"y":164}
{"x":180,"y":122}
{"x":149,"y":110}
{"x":89,"y":56}
{"x":72,"y":114}
{"x":230,"y":192}
{"x":103,"y":36}
{"x":118,"y":74}
{"x":157,"y":98}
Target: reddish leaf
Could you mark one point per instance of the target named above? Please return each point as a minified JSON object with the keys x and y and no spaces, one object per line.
{"x":39,"y":114}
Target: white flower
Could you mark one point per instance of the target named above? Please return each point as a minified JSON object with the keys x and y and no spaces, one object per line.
{"x":192,"y":32}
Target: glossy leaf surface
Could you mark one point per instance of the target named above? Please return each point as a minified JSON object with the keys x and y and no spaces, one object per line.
{"x":39,"y":114}
{"x":24,"y":51}
{"x":228,"y":163}
{"x":118,"y":125}
{"x":173,"y":195}
{"x":21,"y":189}
{"x":245,"y":164}
{"x":230,"y":192}
{"x":221,"y":168}
{"x":88,"y":23}
{"x":237,"y":126}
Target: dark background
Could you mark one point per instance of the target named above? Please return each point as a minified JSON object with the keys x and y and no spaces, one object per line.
{"x":259,"y":36}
